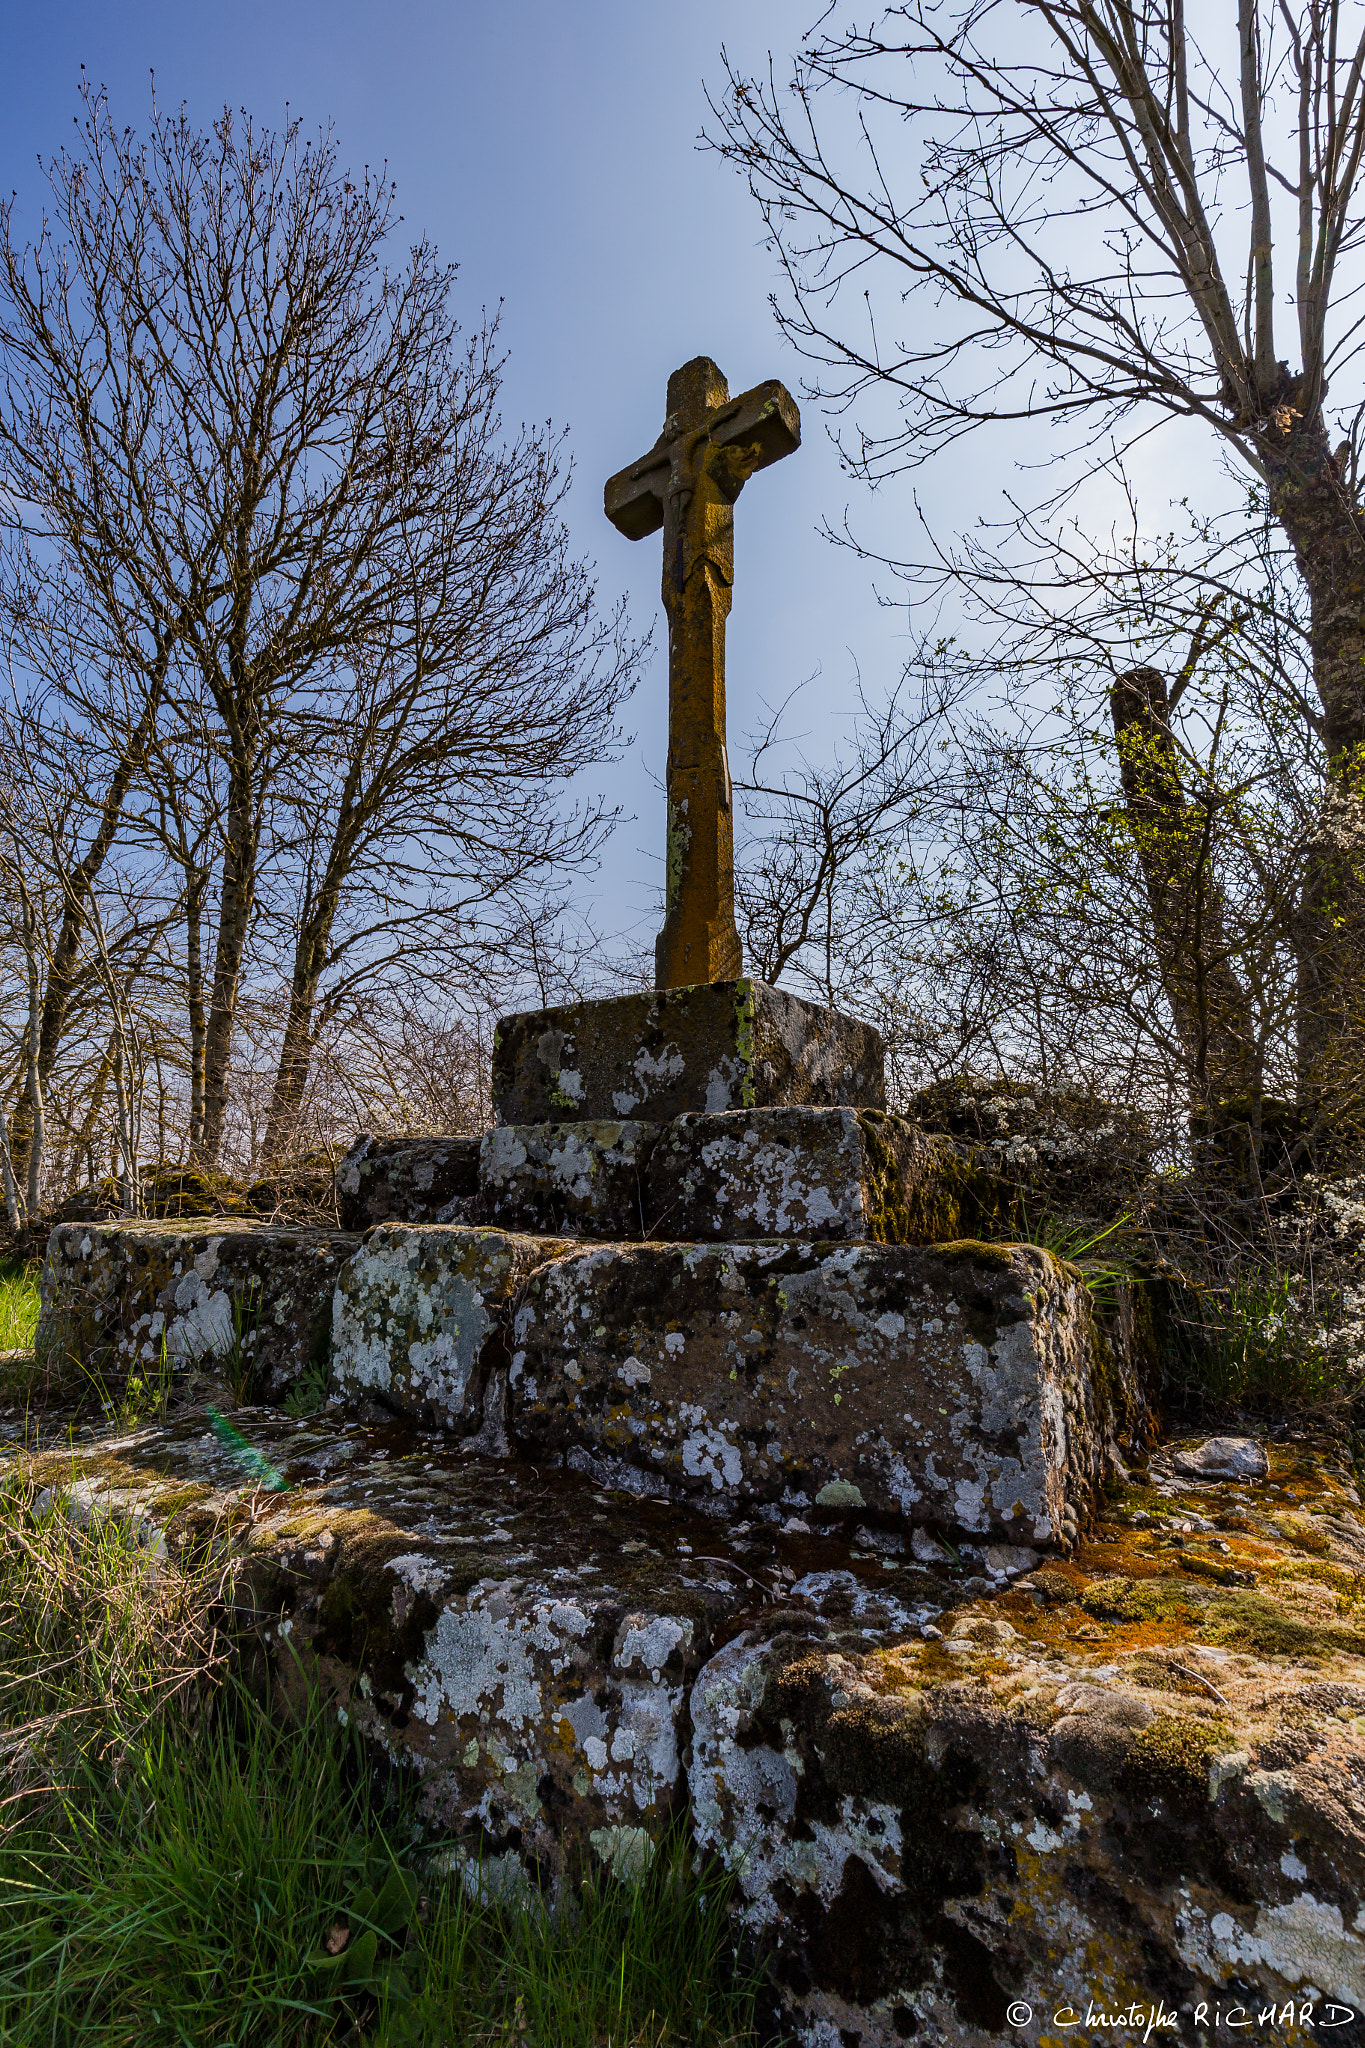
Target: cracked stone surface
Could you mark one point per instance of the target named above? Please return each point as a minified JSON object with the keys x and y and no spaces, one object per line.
{"x":419,"y":1314}
{"x":118,"y":1289}
{"x":407,"y":1180}
{"x":720,"y":1045}
{"x":955,"y":1387}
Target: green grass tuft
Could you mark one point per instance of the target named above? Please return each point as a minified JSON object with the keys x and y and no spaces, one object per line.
{"x":1263,"y":1350}
{"x":19,"y":1303}
{"x":181,"y":1864}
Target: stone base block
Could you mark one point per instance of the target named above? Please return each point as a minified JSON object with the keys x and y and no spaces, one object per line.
{"x":407,"y":1180}
{"x":720,"y":1045}
{"x":958,"y":1387}
{"x":811,"y":1173}
{"x":503,"y":1632}
{"x":419,"y":1314}
{"x":584,"y":1178}
{"x":1061,"y":1151}
{"x":112,"y":1292}
{"x":953,"y":1842}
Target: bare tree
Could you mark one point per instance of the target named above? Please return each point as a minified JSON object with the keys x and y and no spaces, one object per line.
{"x":1083,"y":205}
{"x":230,"y":434}
{"x":428,"y":778}
{"x":817,"y":833}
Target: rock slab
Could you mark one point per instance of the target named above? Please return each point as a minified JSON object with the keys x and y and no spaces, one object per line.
{"x":406,"y":1180}
{"x":954,"y":1387}
{"x":815,"y":1173}
{"x":116,"y":1291}
{"x":419,"y":1315}
{"x":586,"y":1179}
{"x":720,"y":1045}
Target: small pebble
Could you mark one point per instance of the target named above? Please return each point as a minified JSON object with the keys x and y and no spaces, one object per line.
{"x":930,"y":1633}
{"x":794,"y":1526}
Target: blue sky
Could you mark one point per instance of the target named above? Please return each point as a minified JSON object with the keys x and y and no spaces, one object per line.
{"x":551,"y":151}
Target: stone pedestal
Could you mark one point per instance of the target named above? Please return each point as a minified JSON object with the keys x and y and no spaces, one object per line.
{"x":953,"y":1387}
{"x":721,"y":1045}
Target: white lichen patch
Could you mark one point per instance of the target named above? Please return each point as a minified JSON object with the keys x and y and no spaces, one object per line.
{"x":414,"y":1310}
{"x":848,"y":1374}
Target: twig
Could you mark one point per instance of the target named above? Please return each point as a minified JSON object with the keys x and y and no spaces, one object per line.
{"x":1199,"y":1679}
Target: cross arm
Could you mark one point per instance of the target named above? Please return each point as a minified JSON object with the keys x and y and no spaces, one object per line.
{"x":634,"y":498}
{"x":765,"y":417}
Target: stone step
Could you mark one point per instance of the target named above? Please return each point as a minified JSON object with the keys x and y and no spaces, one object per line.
{"x":407,"y":1180}
{"x":959,"y":1387}
{"x":823,"y":1174}
{"x":227,"y":1292}
{"x":585,"y":1178}
{"x":420,"y":1318}
{"x":947,"y":1792}
{"x":814,"y":1173}
{"x":720,"y":1045}
{"x":503,"y":1631}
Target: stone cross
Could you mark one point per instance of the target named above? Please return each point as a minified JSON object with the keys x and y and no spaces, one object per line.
{"x":710,"y":446}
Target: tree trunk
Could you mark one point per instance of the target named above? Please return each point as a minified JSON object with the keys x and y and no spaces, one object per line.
{"x":194,"y":1000}
{"x":1174,"y":841}
{"x":61,"y":973}
{"x":1309,"y":496}
{"x":296,"y":1053}
{"x":234,"y":918}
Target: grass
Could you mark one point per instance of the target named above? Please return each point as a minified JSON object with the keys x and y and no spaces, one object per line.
{"x":18,"y":1303}
{"x":1259,"y":1348}
{"x":1078,"y":1244}
{"x":181,"y":1864}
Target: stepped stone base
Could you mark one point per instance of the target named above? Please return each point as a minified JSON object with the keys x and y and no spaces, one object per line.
{"x":945,"y":1789}
{"x":113,"y":1291}
{"x":720,"y":1045}
{"x":954,"y":1386}
{"x":784,"y":1172}
{"x":419,"y":1317}
{"x":407,"y":1180}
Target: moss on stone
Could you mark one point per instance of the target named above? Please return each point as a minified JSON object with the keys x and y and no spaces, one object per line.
{"x":1303,"y":1534}
{"x":1142,"y":1600}
{"x":1250,"y":1621}
{"x":1169,"y":1760}
{"x":875,"y":1749}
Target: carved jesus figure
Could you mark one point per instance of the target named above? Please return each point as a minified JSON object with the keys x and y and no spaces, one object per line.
{"x":710,"y":446}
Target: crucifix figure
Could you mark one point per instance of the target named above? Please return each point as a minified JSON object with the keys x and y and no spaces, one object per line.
{"x":710,"y":446}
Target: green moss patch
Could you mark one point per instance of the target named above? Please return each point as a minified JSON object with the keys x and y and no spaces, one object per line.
{"x":1169,"y":1761}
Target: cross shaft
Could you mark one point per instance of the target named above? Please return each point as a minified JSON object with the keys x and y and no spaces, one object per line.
{"x":687,"y":484}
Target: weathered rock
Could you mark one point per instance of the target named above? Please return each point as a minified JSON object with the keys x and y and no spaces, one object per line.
{"x":954,"y":1387}
{"x":805,"y":1172}
{"x":1090,"y":1791}
{"x":1114,"y":1778}
{"x":419,"y":1317}
{"x":406,"y":1180}
{"x":584,"y":1178}
{"x":1065,"y":1152}
{"x":255,"y":1295}
{"x":1223,"y":1457}
{"x":514,"y":1637}
{"x":721,"y":1045}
